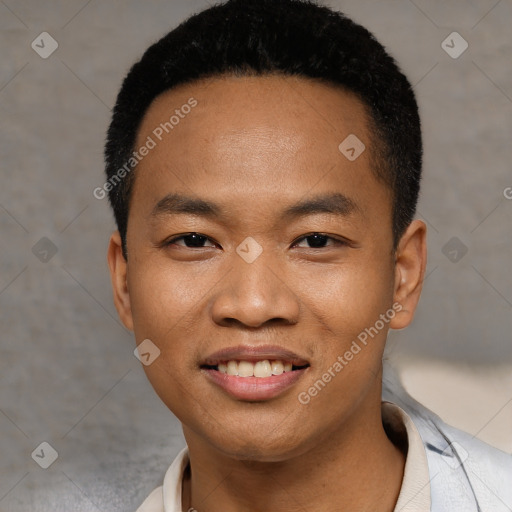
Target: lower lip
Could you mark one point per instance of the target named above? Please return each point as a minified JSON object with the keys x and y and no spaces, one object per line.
{"x":254,"y":388}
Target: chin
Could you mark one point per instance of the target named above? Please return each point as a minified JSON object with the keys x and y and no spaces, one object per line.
{"x":260,"y":447}
{"x":252,"y":453}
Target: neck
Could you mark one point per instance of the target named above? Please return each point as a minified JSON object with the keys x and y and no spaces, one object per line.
{"x":354,"y":468}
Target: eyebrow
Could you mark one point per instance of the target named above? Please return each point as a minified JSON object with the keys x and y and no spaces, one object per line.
{"x":180,"y":204}
{"x":334,"y":204}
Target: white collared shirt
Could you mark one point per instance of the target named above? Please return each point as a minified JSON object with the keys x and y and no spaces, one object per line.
{"x":414,"y":493}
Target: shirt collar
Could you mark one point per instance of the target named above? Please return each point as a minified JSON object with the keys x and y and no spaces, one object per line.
{"x":415,"y":491}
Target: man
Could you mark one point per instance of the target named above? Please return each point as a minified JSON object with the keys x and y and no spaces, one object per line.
{"x":263,"y":163}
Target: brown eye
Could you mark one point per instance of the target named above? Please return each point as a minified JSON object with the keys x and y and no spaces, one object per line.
{"x":191,"y":240}
{"x":319,"y":241}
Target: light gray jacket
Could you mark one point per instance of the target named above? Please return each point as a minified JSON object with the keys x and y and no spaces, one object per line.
{"x":466,"y":474}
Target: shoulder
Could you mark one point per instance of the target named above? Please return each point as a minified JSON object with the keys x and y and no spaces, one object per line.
{"x":168,"y":496}
{"x":463,"y":470}
{"x":154,"y":502}
{"x":488,"y":469}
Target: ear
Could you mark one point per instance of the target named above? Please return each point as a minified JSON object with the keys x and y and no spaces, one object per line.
{"x":410,"y":264}
{"x":118,"y":275}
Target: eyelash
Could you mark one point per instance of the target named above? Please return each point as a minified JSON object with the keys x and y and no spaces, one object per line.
{"x":337,"y":242}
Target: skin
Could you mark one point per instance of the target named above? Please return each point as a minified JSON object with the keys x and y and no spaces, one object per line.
{"x":254,"y":146}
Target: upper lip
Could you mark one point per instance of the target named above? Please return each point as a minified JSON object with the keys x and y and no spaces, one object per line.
{"x":254,"y":353}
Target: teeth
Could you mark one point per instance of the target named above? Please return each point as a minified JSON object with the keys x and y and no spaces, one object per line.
{"x":245,"y":369}
{"x":232,"y":368}
{"x":262,"y":369}
{"x":259,"y":369}
{"x":277,"y":368}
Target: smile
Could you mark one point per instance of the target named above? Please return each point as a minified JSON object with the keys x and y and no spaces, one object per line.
{"x":254,"y":373}
{"x":259,"y":369}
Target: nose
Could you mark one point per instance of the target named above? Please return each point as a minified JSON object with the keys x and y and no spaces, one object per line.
{"x":255,"y":294}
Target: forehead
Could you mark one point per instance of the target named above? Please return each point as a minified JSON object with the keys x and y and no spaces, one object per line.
{"x":255,"y":137}
{"x":235,"y":105}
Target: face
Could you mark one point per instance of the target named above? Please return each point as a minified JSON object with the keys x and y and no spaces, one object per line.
{"x":252,"y":237}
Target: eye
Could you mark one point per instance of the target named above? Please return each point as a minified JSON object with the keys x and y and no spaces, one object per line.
{"x":191,"y":240}
{"x":319,"y":241}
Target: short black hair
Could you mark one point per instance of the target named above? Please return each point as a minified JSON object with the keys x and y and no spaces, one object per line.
{"x":289,"y":37}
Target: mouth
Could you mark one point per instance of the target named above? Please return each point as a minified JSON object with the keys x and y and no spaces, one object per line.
{"x":254,"y":374}
{"x":258,"y":369}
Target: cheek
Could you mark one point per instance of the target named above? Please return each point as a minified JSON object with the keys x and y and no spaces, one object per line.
{"x":161,"y":295}
{"x":349,"y":297}
{"x":346,"y":304}
{"x":162,"y":299}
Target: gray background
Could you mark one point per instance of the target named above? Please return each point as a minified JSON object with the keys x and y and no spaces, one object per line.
{"x":67,"y":371}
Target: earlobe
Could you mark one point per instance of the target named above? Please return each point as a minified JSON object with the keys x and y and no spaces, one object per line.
{"x":410,"y":264}
{"x":118,"y":275}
